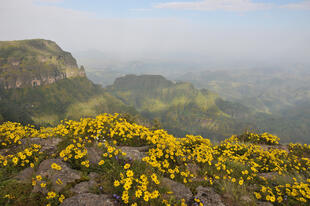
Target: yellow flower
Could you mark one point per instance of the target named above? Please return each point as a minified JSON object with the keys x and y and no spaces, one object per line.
{"x":116,"y":183}
{"x":101,"y":162}
{"x":55,"y":166}
{"x":257,"y":195}
{"x":59,"y":182}
{"x":129,"y":173}
{"x":50,"y":195}
{"x":138,"y":193}
{"x":43,"y":184}
{"x":15,"y":160}
{"x":61,"y":198}
{"x":126,"y":166}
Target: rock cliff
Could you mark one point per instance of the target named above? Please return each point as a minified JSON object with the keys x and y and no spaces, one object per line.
{"x":31,"y":63}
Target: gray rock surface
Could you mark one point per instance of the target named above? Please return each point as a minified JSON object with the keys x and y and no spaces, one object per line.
{"x":179,"y":190}
{"x":94,"y":154}
{"x":88,"y":199}
{"x":208,"y":196}
{"x":66,"y":174}
{"x":135,"y":153}
{"x":48,"y":145}
{"x":25,"y":175}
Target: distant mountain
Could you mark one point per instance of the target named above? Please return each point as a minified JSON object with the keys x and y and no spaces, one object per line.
{"x":42,"y":84}
{"x":180,"y":107}
{"x":267,"y":90}
{"x":280,"y":97}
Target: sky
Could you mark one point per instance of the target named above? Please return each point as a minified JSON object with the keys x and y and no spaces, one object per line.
{"x":249,"y":31}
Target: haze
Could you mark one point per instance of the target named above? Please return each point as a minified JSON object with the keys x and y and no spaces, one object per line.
{"x":223,"y":32}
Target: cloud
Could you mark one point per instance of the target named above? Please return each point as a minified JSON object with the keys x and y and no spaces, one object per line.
{"x":50,"y":1}
{"x":210,"y":5}
{"x":136,"y":38}
{"x":303,"y":5}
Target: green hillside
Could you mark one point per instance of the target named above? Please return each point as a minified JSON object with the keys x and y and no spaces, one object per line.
{"x":35,"y":62}
{"x":281,"y":97}
{"x":180,"y":107}
{"x":67,"y":98}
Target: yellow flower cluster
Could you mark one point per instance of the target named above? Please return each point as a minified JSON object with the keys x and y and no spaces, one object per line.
{"x":75,"y":151}
{"x":55,"y":166}
{"x":171,"y":155}
{"x":264,"y":138}
{"x":138,"y":188}
{"x":54,"y":197}
{"x":25,"y":158}
{"x":298,"y":191}
{"x":241,"y":160}
{"x":299,"y":149}
{"x":11,"y":133}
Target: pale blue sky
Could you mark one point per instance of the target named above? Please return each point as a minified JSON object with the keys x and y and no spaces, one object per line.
{"x":249,"y":30}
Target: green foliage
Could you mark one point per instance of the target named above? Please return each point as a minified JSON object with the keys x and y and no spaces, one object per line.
{"x":180,"y":107}
{"x":68,"y":98}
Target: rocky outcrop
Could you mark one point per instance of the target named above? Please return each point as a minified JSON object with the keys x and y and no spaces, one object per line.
{"x":208,"y":197}
{"x":48,"y":145}
{"x":134,"y":153}
{"x":32,"y":63}
{"x":89,"y":199}
{"x":179,"y":190}
{"x":25,"y":175}
{"x":65,"y":174}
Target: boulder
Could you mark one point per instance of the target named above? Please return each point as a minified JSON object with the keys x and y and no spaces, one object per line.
{"x":66,"y":174}
{"x":261,"y":203}
{"x":83,"y":187}
{"x":208,"y":196}
{"x":89,"y":199}
{"x":135,"y":153}
{"x":94,"y":154}
{"x":48,"y":145}
{"x":268,"y":175}
{"x":25,"y":175}
{"x":180,"y":191}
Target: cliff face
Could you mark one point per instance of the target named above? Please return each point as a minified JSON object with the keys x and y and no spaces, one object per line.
{"x":31,"y":63}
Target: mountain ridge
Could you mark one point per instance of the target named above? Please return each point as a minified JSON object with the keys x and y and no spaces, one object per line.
{"x":35,"y":62}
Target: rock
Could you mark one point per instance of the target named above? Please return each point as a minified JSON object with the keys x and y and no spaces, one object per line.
{"x":193,"y":168}
{"x":93,"y":175}
{"x":179,"y":190}
{"x":83,"y":187}
{"x":135,"y":153}
{"x":25,"y":175}
{"x":280,"y":147}
{"x":66,"y":174}
{"x":208,"y":197}
{"x":94,"y":154}
{"x":48,"y":145}
{"x":260,"y":203}
{"x":246,"y":200}
{"x":88,"y":199}
{"x":268,"y":175}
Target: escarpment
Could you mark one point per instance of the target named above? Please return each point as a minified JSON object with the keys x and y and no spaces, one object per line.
{"x":31,"y":63}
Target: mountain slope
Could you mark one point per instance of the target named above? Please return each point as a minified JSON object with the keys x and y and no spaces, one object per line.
{"x":42,"y":84}
{"x":180,"y":107}
{"x":29,"y":63}
{"x":67,"y":98}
